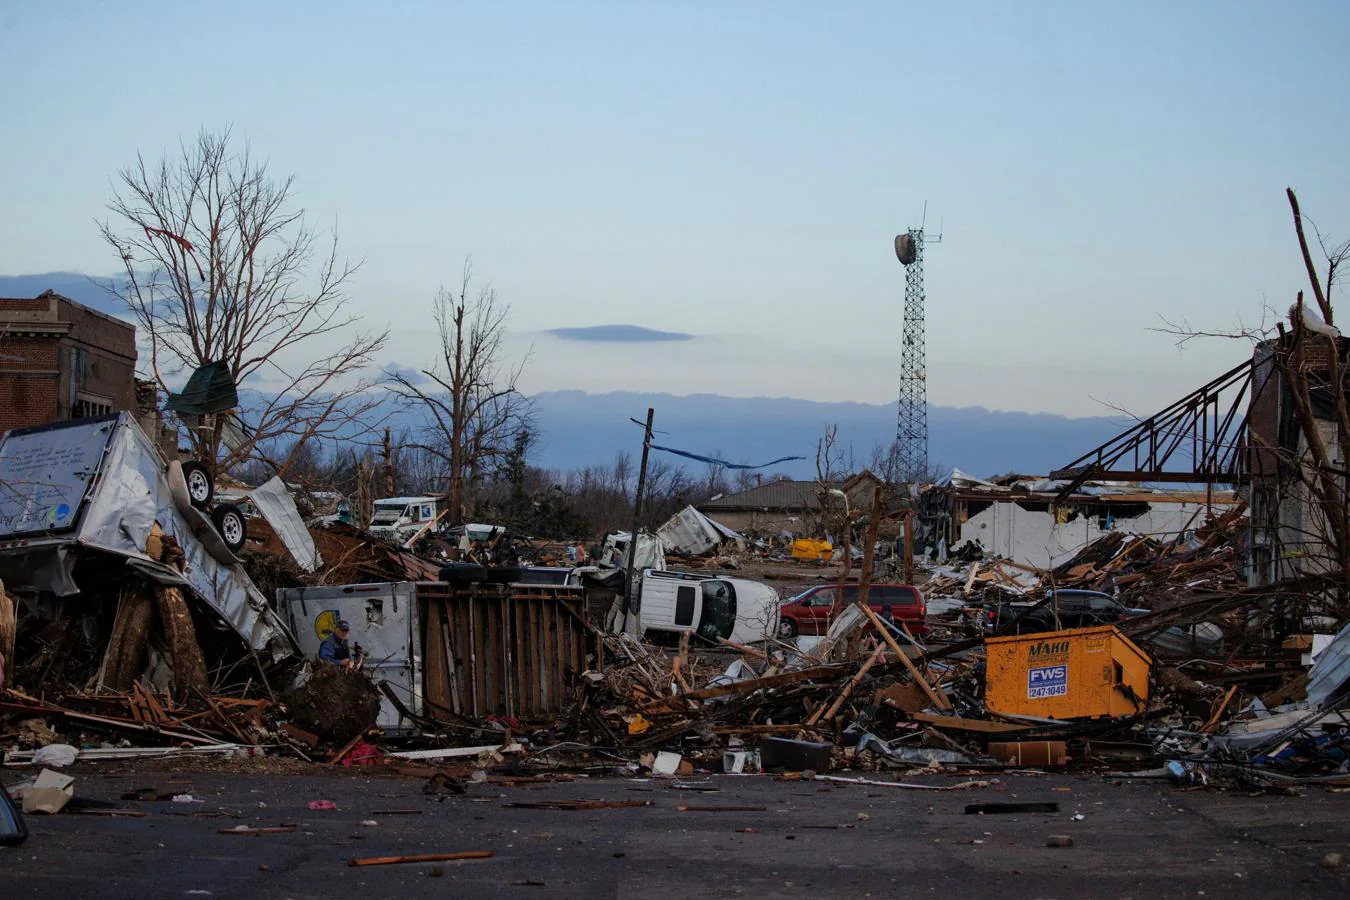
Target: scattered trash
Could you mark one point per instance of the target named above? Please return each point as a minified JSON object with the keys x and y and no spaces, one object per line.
{"x":666,"y":763}
{"x":1059,"y":840}
{"x":58,"y":755}
{"x":318,"y":805}
{"x":48,"y":793}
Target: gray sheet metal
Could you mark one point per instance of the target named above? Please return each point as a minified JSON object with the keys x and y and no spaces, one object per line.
{"x":46,"y":474}
{"x":129,"y":495}
{"x":690,"y":531}
{"x":1331,"y":671}
{"x":274,"y":502}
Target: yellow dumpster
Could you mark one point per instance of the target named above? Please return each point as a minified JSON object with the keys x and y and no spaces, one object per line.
{"x":1076,"y":674}
{"x":809,"y":548}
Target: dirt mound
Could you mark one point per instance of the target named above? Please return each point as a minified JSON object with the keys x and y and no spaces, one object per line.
{"x":336,"y":704}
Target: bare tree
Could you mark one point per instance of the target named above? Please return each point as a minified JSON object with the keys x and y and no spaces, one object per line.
{"x":468,"y":395}
{"x":220,"y":265}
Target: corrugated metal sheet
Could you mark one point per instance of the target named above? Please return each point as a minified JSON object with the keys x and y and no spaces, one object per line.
{"x":1330,"y":672}
{"x":274,"y":502}
{"x":690,"y":531}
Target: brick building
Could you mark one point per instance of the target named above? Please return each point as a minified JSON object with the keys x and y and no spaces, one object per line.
{"x":60,"y":360}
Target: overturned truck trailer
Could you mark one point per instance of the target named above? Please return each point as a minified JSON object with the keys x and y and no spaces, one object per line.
{"x":455,"y":652}
{"x":95,"y":495}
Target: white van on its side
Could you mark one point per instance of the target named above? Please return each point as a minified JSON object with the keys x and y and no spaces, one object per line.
{"x":709,"y":606}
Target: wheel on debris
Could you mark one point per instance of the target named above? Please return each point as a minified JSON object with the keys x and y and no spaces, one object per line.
{"x":199,"y":486}
{"x":787,"y":629}
{"x":229,"y":521}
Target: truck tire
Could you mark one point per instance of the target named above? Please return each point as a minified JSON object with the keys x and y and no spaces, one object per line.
{"x":229,"y":522}
{"x":199,"y":487}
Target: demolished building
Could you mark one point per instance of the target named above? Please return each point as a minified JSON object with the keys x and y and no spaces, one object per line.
{"x":1026,"y":520}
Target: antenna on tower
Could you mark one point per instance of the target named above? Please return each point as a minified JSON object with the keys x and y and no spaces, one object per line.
{"x":911,"y":429}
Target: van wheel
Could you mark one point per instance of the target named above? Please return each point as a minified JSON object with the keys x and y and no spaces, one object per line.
{"x":787,"y":629}
{"x":199,"y":487}
{"x":229,"y":521}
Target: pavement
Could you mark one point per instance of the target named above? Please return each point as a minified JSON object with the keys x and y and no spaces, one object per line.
{"x":810,"y":839}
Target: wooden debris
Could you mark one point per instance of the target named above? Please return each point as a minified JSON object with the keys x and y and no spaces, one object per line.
{"x":420,"y":858}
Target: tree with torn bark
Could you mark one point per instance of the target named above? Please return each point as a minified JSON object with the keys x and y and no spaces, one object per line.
{"x":469,"y":395}
{"x":1311,"y":357}
{"x":220,"y":265}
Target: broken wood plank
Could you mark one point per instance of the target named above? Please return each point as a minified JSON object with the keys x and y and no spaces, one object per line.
{"x":756,"y":729}
{"x":579,"y":804}
{"x":420,"y":858}
{"x":742,"y":648}
{"x":756,"y":684}
{"x":848,"y":688}
{"x":957,"y":723}
{"x":974,"y":569}
{"x":296,"y":733}
{"x":940,"y":701}
{"x":253,"y":832}
{"x":1218,"y":711}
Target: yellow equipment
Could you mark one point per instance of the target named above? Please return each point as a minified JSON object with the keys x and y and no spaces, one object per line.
{"x":811,"y":549}
{"x":1077,"y":674}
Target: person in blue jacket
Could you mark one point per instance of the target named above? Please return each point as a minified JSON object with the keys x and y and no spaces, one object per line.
{"x":335,"y":649}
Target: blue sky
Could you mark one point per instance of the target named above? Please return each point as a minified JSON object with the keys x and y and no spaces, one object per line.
{"x":737,"y":171}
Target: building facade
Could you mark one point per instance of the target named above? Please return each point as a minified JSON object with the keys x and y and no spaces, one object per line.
{"x":61,"y":360}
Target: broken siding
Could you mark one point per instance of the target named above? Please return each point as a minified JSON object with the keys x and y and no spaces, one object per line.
{"x":1034,"y":538}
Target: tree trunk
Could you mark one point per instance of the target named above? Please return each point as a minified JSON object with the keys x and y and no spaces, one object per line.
{"x":189,"y":666}
{"x":129,"y":642}
{"x":9,"y":626}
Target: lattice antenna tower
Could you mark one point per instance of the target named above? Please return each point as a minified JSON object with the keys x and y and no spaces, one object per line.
{"x":911,"y":429}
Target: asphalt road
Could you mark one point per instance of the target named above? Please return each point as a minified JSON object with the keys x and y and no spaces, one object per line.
{"x":812,"y":839}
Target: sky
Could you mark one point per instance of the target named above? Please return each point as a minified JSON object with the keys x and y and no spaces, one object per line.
{"x":737,"y":172}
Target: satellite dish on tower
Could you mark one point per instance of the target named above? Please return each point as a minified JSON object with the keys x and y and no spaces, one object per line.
{"x":905,"y":249}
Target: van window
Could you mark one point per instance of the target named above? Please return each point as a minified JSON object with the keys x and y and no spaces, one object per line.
{"x":895,"y":596}
{"x":684,"y":605}
{"x":719,"y":610}
{"x":823,"y":598}
{"x":426,"y":511}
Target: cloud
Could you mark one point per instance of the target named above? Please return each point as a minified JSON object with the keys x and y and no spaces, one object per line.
{"x":412,"y":376}
{"x":618,"y":334}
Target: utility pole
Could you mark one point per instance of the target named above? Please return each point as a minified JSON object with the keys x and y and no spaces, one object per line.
{"x":388,"y":464}
{"x":637,"y":520}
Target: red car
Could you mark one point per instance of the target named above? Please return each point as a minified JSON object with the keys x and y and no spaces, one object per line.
{"x":811,"y":611}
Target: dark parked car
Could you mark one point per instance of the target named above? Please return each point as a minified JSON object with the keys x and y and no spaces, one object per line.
{"x":1077,"y":609}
